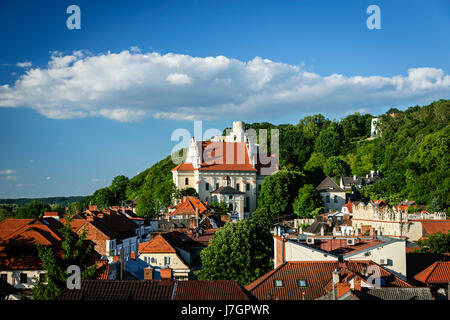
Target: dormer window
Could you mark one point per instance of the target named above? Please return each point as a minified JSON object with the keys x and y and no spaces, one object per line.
{"x":278,"y":283}
{"x":301,"y":283}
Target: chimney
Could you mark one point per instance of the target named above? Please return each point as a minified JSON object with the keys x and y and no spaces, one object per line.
{"x":196,"y":217}
{"x":336,"y":277}
{"x":166,"y":274}
{"x":148,"y":274}
{"x":341,"y":289}
{"x":133,"y":255}
{"x":364,"y":269}
{"x":122,"y":263}
{"x":322,"y":231}
{"x":357,"y":284}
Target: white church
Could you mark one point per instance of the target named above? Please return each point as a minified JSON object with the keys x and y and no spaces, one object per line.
{"x":228,"y":169}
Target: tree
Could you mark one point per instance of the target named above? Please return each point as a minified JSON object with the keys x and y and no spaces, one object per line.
{"x":278,"y":192}
{"x":336,"y":167}
{"x":436,"y":243}
{"x":103,"y":198}
{"x":329,"y":141}
{"x":240,"y":251}
{"x":118,"y":188}
{"x":219,"y":208}
{"x":436,"y":205}
{"x":32,"y":210}
{"x":188,"y":191}
{"x":307,"y":201}
{"x":147,"y":207}
{"x":75,"y":251}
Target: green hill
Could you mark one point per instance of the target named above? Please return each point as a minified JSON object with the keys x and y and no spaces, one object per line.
{"x":412,"y":153}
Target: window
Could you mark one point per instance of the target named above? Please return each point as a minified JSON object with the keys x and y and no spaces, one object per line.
{"x":217,"y":185}
{"x":41,"y":277}
{"x":247,"y":186}
{"x":166,"y":261}
{"x":207,"y":186}
{"x":278,"y":283}
{"x":301,"y":283}
{"x":186,"y":181}
{"x":23,"y":278}
{"x":247,"y":204}
{"x":238,"y":187}
{"x":327,"y":199}
{"x":153,"y":260}
{"x":231,"y":197}
{"x":5,"y":277}
{"x":335,"y":199}
{"x":259,"y":187}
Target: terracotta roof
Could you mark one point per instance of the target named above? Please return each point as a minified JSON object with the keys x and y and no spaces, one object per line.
{"x":396,"y":294}
{"x":317,"y":275}
{"x":328,"y":184}
{"x":27,"y":232}
{"x":431,"y":227}
{"x":189,"y":205}
{"x":349,"y":206}
{"x":221,"y":156}
{"x":20,"y":263}
{"x":211,"y":290}
{"x":438,"y":272}
{"x":157,"y":290}
{"x":51,"y":214}
{"x":120,"y":290}
{"x":157,"y":245}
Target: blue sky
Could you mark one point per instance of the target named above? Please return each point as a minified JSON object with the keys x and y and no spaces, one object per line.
{"x":68,"y":127}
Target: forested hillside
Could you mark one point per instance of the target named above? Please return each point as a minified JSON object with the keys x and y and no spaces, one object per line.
{"x":412,"y":153}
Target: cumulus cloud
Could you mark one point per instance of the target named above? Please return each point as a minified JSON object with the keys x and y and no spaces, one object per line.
{"x":130,"y":85}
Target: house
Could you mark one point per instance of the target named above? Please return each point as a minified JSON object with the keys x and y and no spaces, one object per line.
{"x":312,"y":280}
{"x":374,"y":128}
{"x":189,"y":207}
{"x":333,"y":196}
{"x":392,"y":221}
{"x":346,"y":183}
{"x":174,"y":250}
{"x":20,"y":265}
{"x":390,"y":253}
{"x":233,"y":161}
{"x":109,"y":230}
{"x":150,"y":289}
{"x":437,"y":278}
{"x":335,"y":223}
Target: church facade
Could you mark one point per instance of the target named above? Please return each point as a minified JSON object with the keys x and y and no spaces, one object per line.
{"x":226,"y":169}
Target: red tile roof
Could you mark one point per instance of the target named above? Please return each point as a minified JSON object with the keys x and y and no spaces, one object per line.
{"x":221,"y":156}
{"x":51,"y":214}
{"x":431,"y":227}
{"x":211,"y":290}
{"x":189,"y":205}
{"x":157,"y":245}
{"x":438,"y":272}
{"x":349,"y":206}
{"x":317,"y":274}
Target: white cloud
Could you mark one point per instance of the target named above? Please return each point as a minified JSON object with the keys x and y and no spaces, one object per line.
{"x":7,"y":171}
{"x":130,"y":85}
{"x":48,"y":178}
{"x":179,"y":78}
{"x":25,"y":64}
{"x":10,"y":178}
